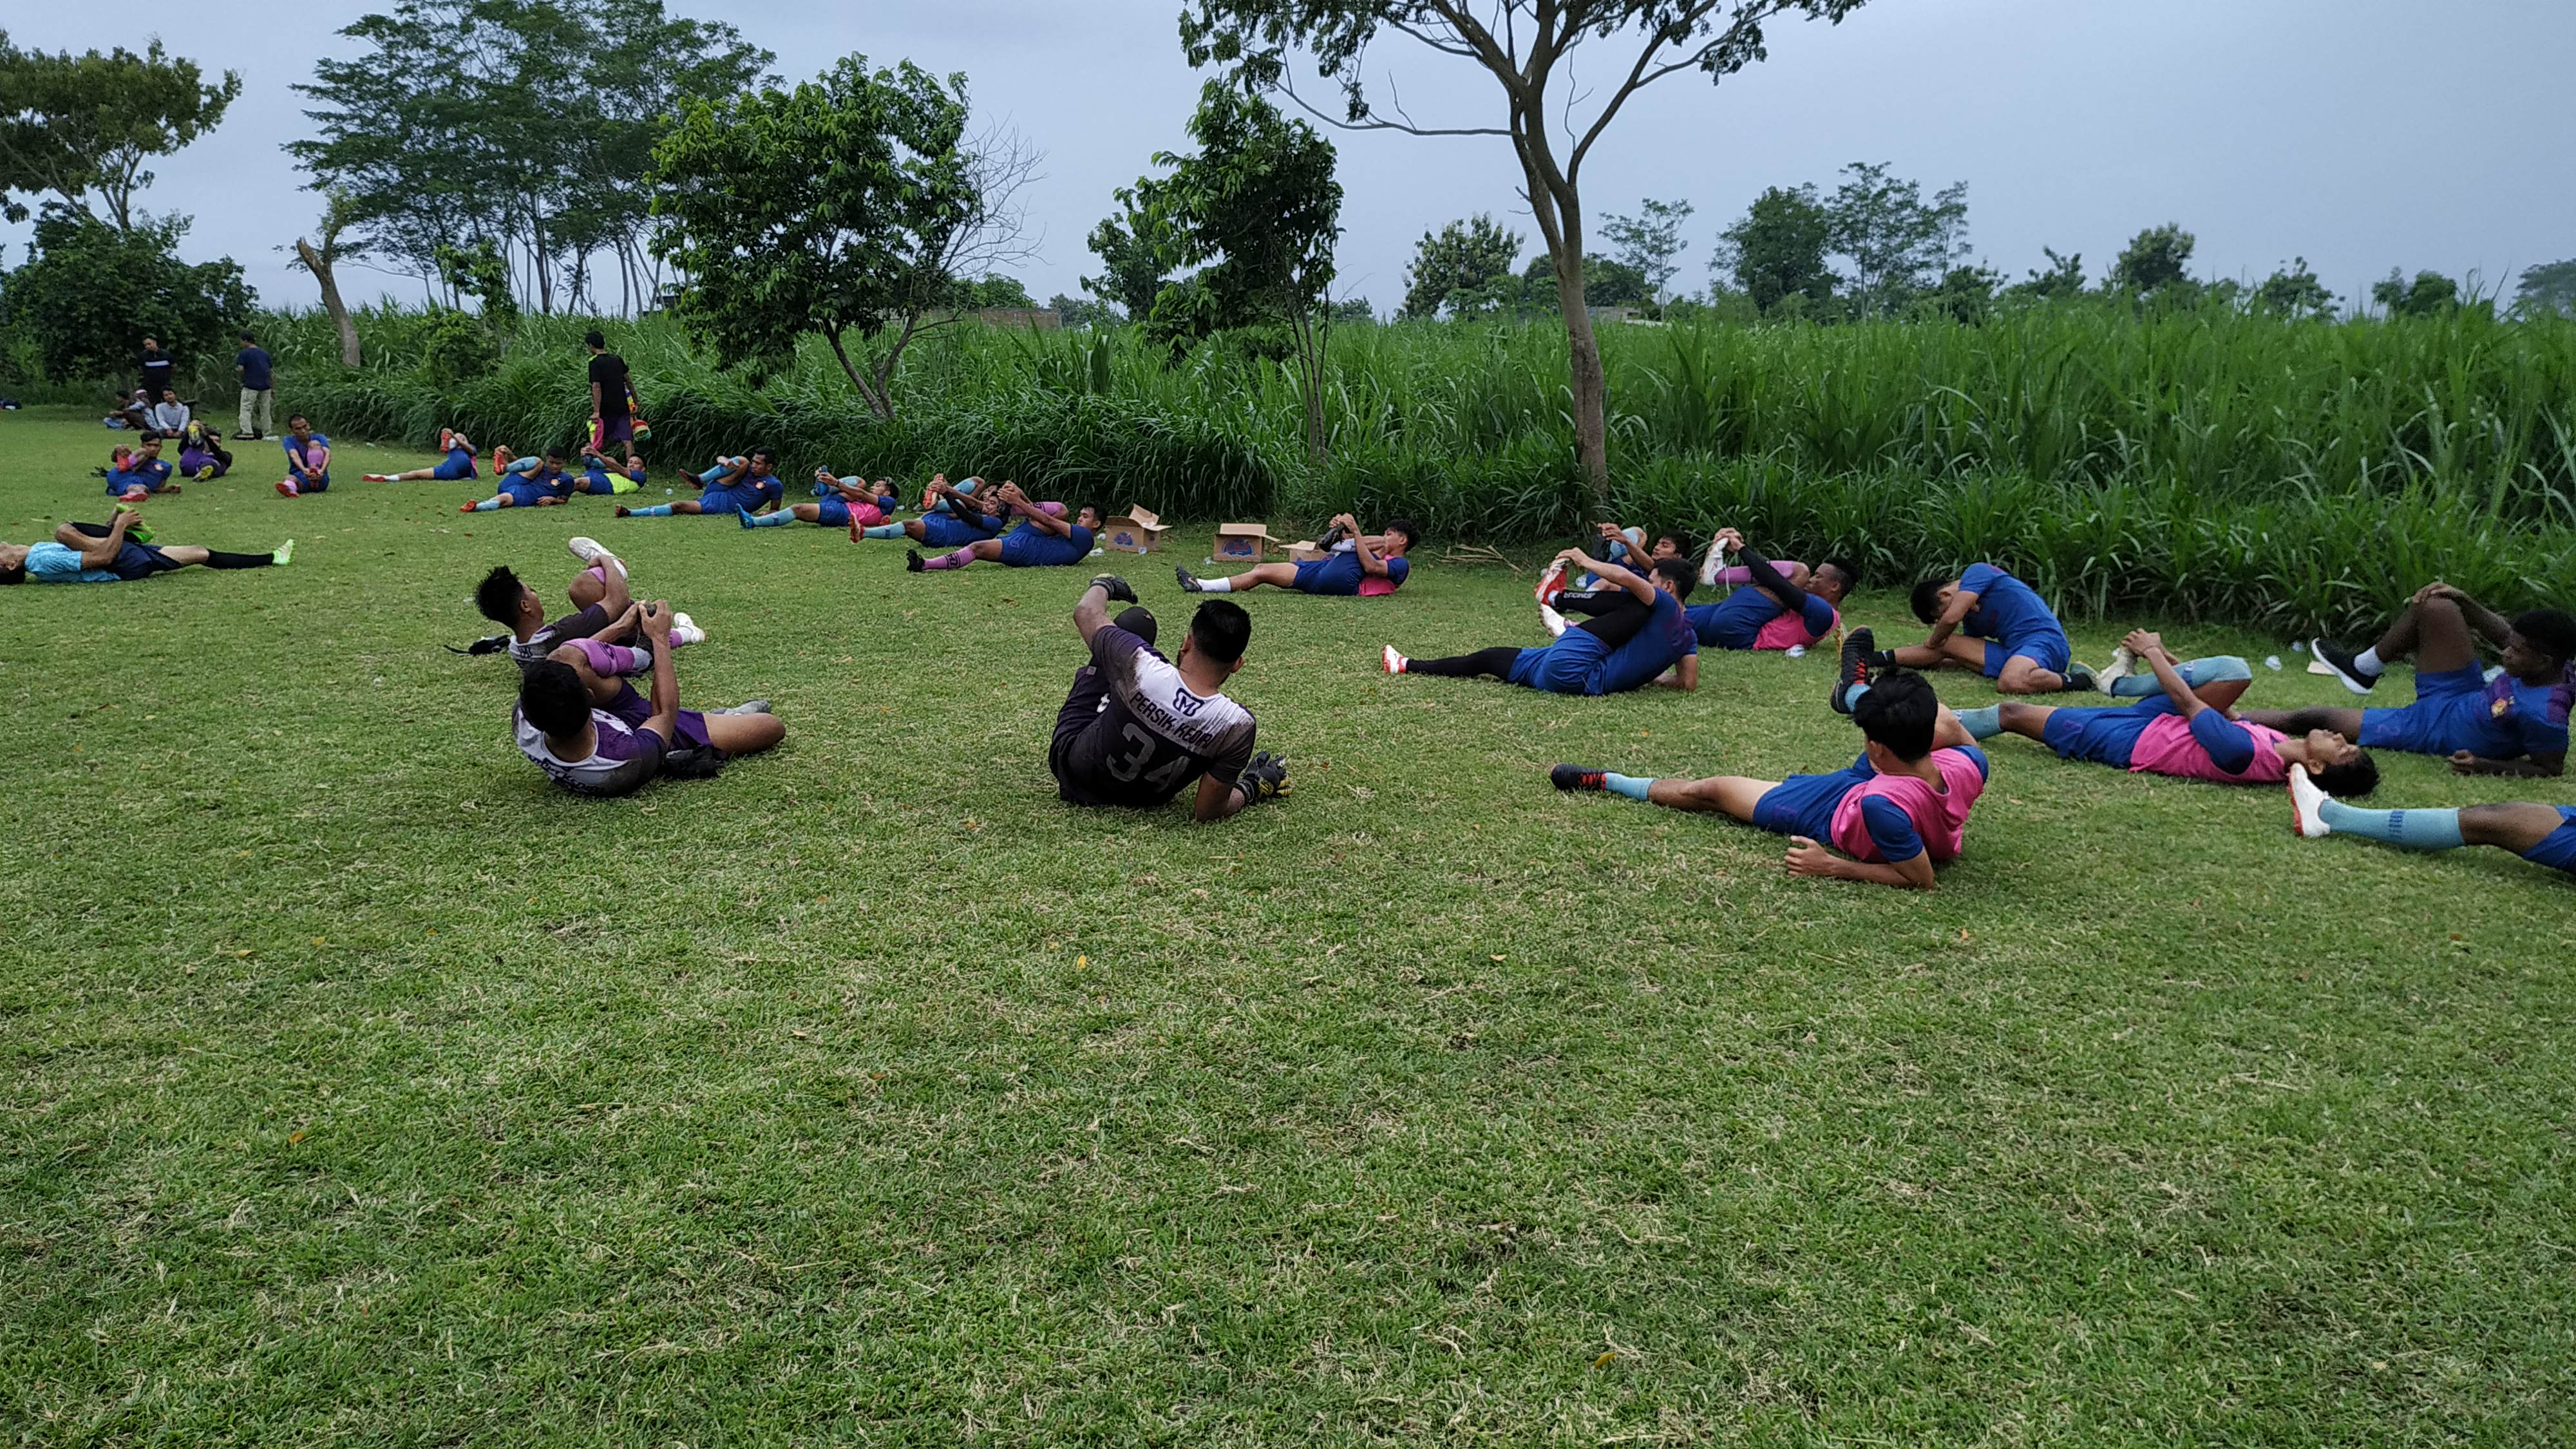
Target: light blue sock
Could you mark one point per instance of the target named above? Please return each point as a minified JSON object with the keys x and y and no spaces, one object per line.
{"x":883,"y":530}
{"x":780,"y":519}
{"x":1632,"y":786}
{"x":2217,"y":669}
{"x":1851,"y":696}
{"x":488,"y":505}
{"x":1983,"y":724}
{"x":658,"y":510}
{"x":712,"y":474}
{"x":2412,"y":829}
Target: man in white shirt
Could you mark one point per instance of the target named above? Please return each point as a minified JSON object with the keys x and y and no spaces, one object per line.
{"x":169,"y":415}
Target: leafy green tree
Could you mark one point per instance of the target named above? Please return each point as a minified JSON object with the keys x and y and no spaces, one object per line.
{"x":1463,"y":257}
{"x":2294,"y":291}
{"x":76,"y":125}
{"x":1777,"y":250}
{"x":1606,"y":283}
{"x":1650,"y":243}
{"x":1899,"y":245}
{"x":1135,"y":250}
{"x":2548,"y":290}
{"x":1257,"y":210}
{"x":2154,"y":261}
{"x":1083,"y":311}
{"x":1353,"y":311}
{"x":92,"y":291}
{"x":2063,"y":277}
{"x":842,"y":207}
{"x":1966,"y":294}
{"x":997,"y":293}
{"x":2430,"y":295}
{"x":1529,"y":50}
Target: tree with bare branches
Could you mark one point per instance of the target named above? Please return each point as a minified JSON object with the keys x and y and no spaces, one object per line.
{"x":1528,"y":47}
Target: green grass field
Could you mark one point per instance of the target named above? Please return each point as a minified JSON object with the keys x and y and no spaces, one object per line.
{"x":356,"y":1086}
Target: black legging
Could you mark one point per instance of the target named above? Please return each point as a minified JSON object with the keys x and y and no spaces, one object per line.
{"x":1497,"y":661}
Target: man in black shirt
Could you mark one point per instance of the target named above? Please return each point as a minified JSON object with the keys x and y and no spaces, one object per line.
{"x":1137,"y":727}
{"x":160,"y":373}
{"x":610,"y":420}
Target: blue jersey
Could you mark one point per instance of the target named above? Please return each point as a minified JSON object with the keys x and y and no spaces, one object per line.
{"x":1029,"y":546}
{"x":2461,"y":709}
{"x":1340,"y":575}
{"x":1735,"y":622}
{"x":1664,"y":641}
{"x":2007,"y":610}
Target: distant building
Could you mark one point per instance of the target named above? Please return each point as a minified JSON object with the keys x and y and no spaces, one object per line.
{"x":1040,"y":319}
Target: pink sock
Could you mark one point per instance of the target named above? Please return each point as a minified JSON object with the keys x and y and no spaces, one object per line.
{"x":599,"y":572}
{"x":958,"y":560}
{"x":607,"y":660}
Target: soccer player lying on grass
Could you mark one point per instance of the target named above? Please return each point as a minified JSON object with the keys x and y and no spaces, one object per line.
{"x":591,"y":733}
{"x":545,"y":486}
{"x":1042,"y":540}
{"x":601,"y":480}
{"x":1354,"y":564}
{"x":136,"y":473}
{"x":603,"y":609}
{"x":745,"y":484}
{"x":308,"y":459}
{"x":1137,"y":727}
{"x":1629,"y":642}
{"x":118,"y":551}
{"x":2184,"y":732}
{"x":852,"y":503}
{"x":1777,"y":606}
{"x":953,"y":516}
{"x":455,"y":468}
{"x":1991,"y":622}
{"x":2541,"y":834}
{"x":2516,"y":725}
{"x":1897,"y":811}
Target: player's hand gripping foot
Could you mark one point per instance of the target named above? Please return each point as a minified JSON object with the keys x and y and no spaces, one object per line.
{"x":1574,"y":777}
{"x":1852,"y":666}
{"x":2340,"y":660}
{"x":1551,"y":582}
{"x":2124,"y":662}
{"x":1393,"y":661}
{"x":1189,"y":581}
{"x":1266,"y":778}
{"x":2307,"y":805}
{"x":1114,"y":586}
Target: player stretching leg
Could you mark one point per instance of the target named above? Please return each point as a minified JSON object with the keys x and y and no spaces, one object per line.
{"x":1777,"y":606}
{"x":1354,"y":563}
{"x":1631,"y":642}
{"x":736,"y":485}
{"x":852,"y":503}
{"x":1042,"y":540}
{"x":962,"y":516}
{"x":1989,"y":621}
{"x":459,"y":463}
{"x":2541,"y":834}
{"x":594,"y":735}
{"x":1137,"y":727}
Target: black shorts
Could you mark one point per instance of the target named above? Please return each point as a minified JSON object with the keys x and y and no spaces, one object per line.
{"x":1081,"y":711}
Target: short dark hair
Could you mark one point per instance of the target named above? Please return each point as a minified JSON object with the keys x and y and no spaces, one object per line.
{"x":2551,"y":630}
{"x":1411,"y":530}
{"x":1221,"y":630}
{"x":293,"y":418}
{"x":763,"y":454}
{"x":1138,"y":620}
{"x":1680,"y":541}
{"x":554,"y":455}
{"x":593,"y":339}
{"x":15,"y":573}
{"x":1096,"y":511}
{"x":1678,"y":573}
{"x":2350,"y":780}
{"x":1927,"y":598}
{"x":1842,"y":565}
{"x":247,"y":338}
{"x":1901,"y":712}
{"x":497,"y":597}
{"x":552,"y":697}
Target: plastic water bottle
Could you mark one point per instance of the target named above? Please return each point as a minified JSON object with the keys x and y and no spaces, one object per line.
{"x":2272,"y":662}
{"x":1797,"y":651}
{"x":2298,"y":646}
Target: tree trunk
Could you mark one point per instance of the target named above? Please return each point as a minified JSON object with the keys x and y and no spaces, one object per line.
{"x":320,"y":267}
{"x":1591,"y":388}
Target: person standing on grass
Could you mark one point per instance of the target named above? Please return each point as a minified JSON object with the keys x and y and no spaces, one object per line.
{"x":594,"y":735}
{"x":2514,"y":725}
{"x":611,"y":418}
{"x":2542,"y":834}
{"x":117,"y":552}
{"x":258,"y":387}
{"x":1897,"y":811}
{"x":308,"y":459}
{"x":1354,"y":565}
{"x":1137,"y":727}
{"x":1628,"y":643}
{"x":1989,"y":621}
{"x":160,"y":370}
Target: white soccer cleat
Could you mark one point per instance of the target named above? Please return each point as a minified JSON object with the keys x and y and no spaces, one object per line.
{"x":591,"y":551}
{"x":2123,"y":664}
{"x":1393,"y":661}
{"x":1712,"y":562}
{"x":685,"y":630}
{"x":2307,"y":805}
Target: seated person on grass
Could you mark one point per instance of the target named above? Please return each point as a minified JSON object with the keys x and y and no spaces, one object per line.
{"x":1991,"y":622}
{"x":546,"y":485}
{"x":2541,"y":834}
{"x":602,"y":609}
{"x":953,"y":516}
{"x":456,"y":467}
{"x":202,"y":455}
{"x":2515,"y":725}
{"x":851,"y":503}
{"x":744,"y":484}
{"x":136,"y":473}
{"x":133,"y":413}
{"x":168,"y":415}
{"x":588,"y":729}
{"x":1777,"y":606}
{"x":1635,"y":635}
{"x":118,"y":551}
{"x":308,"y":459}
{"x":1354,"y":564}
{"x":1043,"y":538}
{"x":2184,"y":732}
{"x":1137,"y":727}
{"x":1897,"y":811}
{"x":602,"y":481}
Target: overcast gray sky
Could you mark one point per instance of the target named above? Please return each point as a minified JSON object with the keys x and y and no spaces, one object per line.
{"x":2362,"y":134}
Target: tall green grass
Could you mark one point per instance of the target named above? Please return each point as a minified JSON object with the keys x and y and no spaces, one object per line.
{"x":2198,"y":463}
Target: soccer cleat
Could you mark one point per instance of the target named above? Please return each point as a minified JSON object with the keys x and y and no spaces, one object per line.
{"x":748,"y":706}
{"x":1114,"y":586}
{"x":284,"y":555}
{"x":2123,"y":664}
{"x":685,"y":630}
{"x":375,"y":477}
{"x":623,"y":511}
{"x":2339,"y":662}
{"x":2307,"y":806}
{"x":1852,"y":666}
{"x":592,"y":551}
{"x":135,"y":530}
{"x":466,"y":507}
{"x":1575,"y":777}
{"x":912,"y":563}
{"x":1551,"y":582}
{"x":2080,"y":679}
{"x":1393,"y":661}
{"x":745,"y":520}
{"x":1189,"y":581}
{"x":286,"y":488}
{"x":205,"y":473}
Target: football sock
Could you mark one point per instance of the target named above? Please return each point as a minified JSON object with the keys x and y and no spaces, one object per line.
{"x":1216,"y":586}
{"x":883,"y":530}
{"x":2412,"y":829}
{"x":216,"y":560}
{"x":780,"y":519}
{"x":1851,"y":696}
{"x":1985,"y":723}
{"x":958,"y":560}
{"x":658,"y":510}
{"x":2195,"y":672}
{"x":609,"y":659}
{"x":1632,"y":786}
{"x":1883,"y":659}
{"x":1497,"y":661}
{"x":2368,"y":662}
{"x":488,"y":505}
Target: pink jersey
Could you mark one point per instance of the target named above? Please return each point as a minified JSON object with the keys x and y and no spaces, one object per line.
{"x":2166,"y":747}
{"x":866,"y":515}
{"x":1791,"y":629}
{"x":1939,"y":816}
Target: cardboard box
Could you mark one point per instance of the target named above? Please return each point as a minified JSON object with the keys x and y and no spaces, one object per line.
{"x":1242,"y":543}
{"x":1135,"y":531}
{"x":1304,"y":551}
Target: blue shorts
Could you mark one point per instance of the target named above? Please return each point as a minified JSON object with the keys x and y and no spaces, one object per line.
{"x":832,"y":511}
{"x":2048,"y":650}
{"x":2102,"y":736}
{"x":939,"y":530}
{"x":453,"y":469}
{"x":2445,"y":717}
{"x":315,"y":485}
{"x":742,"y":498}
{"x":139,"y":561}
{"x":1035,"y":548}
{"x":1335,"y":577}
{"x":1563,"y":667}
{"x":2557,"y":849}
{"x":1805,"y":804}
